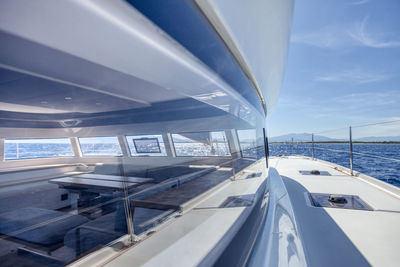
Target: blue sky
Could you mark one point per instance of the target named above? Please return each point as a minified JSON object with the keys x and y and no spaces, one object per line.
{"x":343,"y":68}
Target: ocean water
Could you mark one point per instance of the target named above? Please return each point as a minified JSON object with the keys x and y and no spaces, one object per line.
{"x":385,"y":170}
{"x":382,"y":169}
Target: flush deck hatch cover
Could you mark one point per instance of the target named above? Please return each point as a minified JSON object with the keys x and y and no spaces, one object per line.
{"x":338,"y":201}
{"x":314,"y":172}
{"x":238,"y":201}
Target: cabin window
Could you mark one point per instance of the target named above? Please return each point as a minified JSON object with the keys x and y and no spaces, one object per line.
{"x":201,"y":144}
{"x":100,"y":146}
{"x":37,"y":148}
{"x":146,"y":145}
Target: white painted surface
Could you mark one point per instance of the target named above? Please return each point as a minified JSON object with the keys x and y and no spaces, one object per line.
{"x":340,"y":237}
{"x":258,"y":36}
{"x":280,"y":241}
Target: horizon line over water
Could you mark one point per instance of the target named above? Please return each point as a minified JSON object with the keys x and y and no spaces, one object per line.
{"x":338,"y":153}
{"x":383,"y":162}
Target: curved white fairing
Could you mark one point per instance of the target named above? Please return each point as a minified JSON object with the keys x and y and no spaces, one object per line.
{"x":258,"y":36}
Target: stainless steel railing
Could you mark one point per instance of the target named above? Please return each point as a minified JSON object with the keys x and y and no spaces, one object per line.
{"x":350,"y":151}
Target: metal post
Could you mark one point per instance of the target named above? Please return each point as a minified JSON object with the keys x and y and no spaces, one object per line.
{"x":312,"y":138}
{"x":76,"y":147}
{"x":238,"y":141}
{"x":266,"y":149}
{"x":2,"y":149}
{"x":167,"y":145}
{"x":171,"y":145}
{"x":292,"y":147}
{"x":123,"y":143}
{"x":127,"y":204}
{"x":351,"y":151}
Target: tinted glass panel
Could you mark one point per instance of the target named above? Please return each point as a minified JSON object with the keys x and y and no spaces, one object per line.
{"x":248,"y":142}
{"x":199,"y":38}
{"x":66,"y":207}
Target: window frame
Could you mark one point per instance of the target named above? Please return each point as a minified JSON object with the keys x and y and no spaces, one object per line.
{"x":152,"y":154}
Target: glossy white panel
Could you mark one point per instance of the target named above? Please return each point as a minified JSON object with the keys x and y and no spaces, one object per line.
{"x":279,"y":242}
{"x":257,"y":33}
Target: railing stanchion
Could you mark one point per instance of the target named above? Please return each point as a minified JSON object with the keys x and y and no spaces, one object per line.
{"x":292,"y":147}
{"x":312,"y":150}
{"x":266,"y":146}
{"x":351,"y":151}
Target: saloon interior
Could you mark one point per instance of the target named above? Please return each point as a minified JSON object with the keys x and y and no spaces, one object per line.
{"x":77,"y":171}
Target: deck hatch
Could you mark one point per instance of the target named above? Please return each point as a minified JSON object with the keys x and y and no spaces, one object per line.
{"x":314,"y":172}
{"x":254,"y":175}
{"x":238,"y":201}
{"x":338,"y":201}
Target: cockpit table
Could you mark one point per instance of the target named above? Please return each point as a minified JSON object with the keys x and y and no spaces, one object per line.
{"x":100,"y":182}
{"x":129,"y":179}
{"x":84,"y":186}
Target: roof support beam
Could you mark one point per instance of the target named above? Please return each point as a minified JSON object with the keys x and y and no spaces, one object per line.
{"x":2,"y":149}
{"x":169,"y":145}
{"x":76,"y":147}
{"x":124,"y":146}
{"x":233,"y":143}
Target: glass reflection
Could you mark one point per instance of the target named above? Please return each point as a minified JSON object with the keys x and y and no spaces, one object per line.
{"x":201,"y":144}
{"x":91,"y":157}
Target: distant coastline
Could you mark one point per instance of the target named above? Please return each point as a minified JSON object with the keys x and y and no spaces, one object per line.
{"x":320,"y":139}
{"x":340,"y":142}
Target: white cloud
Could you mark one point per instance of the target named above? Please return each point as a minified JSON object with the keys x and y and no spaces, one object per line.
{"x":327,"y":37}
{"x":368,"y":99}
{"x":354,"y":76}
{"x":390,"y":128}
{"x":342,"y":35}
{"x":361,"y":2}
{"x":364,"y":38}
{"x":312,"y":114}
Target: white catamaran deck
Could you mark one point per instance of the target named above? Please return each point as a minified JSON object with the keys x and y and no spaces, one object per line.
{"x":336,"y":236}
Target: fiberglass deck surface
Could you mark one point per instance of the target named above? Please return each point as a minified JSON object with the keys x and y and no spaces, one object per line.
{"x":342,"y":237}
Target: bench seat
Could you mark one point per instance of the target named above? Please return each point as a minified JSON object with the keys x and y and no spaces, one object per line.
{"x":39,"y":226}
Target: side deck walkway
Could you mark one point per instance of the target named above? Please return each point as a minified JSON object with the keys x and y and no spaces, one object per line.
{"x":337,"y":236}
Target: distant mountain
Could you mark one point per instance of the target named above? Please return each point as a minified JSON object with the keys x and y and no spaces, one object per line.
{"x":306,"y":137}
{"x":301,"y":137}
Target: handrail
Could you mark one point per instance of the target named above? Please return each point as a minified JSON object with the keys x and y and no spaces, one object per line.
{"x":358,"y":153}
{"x":357,"y":126}
{"x":375,"y":123}
{"x":350,"y":142}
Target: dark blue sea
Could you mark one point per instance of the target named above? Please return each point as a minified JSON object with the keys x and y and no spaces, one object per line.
{"x":383,"y":169}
